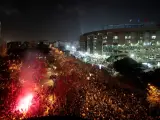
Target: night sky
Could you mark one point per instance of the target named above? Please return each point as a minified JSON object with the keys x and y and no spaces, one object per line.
{"x":67,"y":19}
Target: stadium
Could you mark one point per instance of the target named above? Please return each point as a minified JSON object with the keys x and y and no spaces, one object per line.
{"x":139,"y":41}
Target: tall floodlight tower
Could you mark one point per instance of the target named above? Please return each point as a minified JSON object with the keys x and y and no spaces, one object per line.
{"x":3,"y":45}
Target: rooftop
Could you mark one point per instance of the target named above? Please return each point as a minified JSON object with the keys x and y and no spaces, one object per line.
{"x":127,"y":28}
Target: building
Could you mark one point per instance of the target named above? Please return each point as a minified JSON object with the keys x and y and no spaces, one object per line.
{"x":3,"y":45}
{"x":14,"y":44}
{"x":114,"y":36}
{"x":83,"y":43}
{"x":3,"y":49}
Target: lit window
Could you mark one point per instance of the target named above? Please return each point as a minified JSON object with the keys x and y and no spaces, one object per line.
{"x":95,"y":38}
{"x":115,"y":37}
{"x":105,"y":37}
{"x":99,"y":33}
{"x":153,"y":36}
{"x":104,"y":41}
{"x":146,"y":43}
{"x":129,"y":41}
{"x":129,"y":37}
{"x":141,"y":38}
{"x":126,"y":37}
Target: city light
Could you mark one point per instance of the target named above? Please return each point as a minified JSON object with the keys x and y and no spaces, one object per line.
{"x":67,"y":46}
{"x":148,"y":65}
{"x":112,"y":72}
{"x":85,"y":59}
{"x":158,"y":64}
{"x":73,"y":47}
{"x":104,"y":56}
{"x":96,"y":55}
{"x":49,"y":92}
{"x":146,"y":43}
{"x":153,"y":36}
{"x":100,"y":66}
{"x":132,"y":55}
{"x":86,"y":53}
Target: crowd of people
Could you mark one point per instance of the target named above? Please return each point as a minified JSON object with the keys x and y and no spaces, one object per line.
{"x":78,"y":89}
{"x":119,"y":102}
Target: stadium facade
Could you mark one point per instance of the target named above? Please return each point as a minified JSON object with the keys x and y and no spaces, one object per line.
{"x":123,"y":34}
{"x":139,"y":39}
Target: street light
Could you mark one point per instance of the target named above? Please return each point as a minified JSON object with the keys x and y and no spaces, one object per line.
{"x":67,"y":46}
{"x":86,"y":53}
{"x":158,"y":64}
{"x":85,"y":59}
{"x":73,"y":47}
